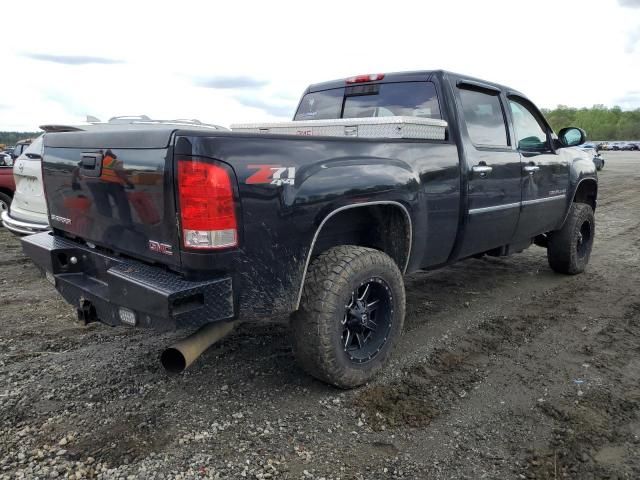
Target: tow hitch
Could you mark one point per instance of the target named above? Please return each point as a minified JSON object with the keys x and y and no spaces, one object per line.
{"x":87,"y":312}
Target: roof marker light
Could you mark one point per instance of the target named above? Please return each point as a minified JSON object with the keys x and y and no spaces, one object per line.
{"x":372,"y":77}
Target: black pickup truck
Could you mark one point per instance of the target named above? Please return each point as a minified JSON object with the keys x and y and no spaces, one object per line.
{"x":170,"y":227}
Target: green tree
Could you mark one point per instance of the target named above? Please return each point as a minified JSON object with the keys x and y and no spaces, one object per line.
{"x":600,"y":122}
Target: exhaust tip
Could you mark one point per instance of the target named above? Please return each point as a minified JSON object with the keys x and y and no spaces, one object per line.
{"x":173,"y":360}
{"x":178,"y":357}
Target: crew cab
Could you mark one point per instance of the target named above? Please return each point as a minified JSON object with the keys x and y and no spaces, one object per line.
{"x":182,"y":227}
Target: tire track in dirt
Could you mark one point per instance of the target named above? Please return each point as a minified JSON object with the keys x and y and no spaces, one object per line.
{"x":482,"y":384}
{"x":433,"y":395}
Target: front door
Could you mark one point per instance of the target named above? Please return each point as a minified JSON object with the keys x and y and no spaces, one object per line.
{"x":545,"y":173}
{"x":494,"y":171}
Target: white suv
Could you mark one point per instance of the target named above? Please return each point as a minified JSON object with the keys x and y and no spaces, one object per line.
{"x":28,"y":211}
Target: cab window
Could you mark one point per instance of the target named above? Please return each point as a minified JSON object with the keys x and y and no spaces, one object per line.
{"x":484,"y":117}
{"x":407,"y":99}
{"x":531,"y":135}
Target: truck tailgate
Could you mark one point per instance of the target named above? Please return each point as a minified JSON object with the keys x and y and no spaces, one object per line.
{"x":114,"y":189}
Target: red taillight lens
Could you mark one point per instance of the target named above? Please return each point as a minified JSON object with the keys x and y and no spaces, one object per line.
{"x":374,"y":77}
{"x":207,"y":206}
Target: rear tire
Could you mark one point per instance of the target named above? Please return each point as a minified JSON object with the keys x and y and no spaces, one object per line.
{"x":351,"y":314}
{"x":5,"y":202}
{"x":570,"y":247}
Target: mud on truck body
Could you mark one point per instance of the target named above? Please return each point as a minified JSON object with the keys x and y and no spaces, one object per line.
{"x":183,"y":227}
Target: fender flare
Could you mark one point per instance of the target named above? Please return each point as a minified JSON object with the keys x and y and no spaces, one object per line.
{"x":573,"y":196}
{"x":347,"y":207}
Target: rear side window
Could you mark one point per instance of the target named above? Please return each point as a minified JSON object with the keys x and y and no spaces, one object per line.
{"x":17,"y":151}
{"x":35,"y":148}
{"x":484,"y":117}
{"x":410,"y":99}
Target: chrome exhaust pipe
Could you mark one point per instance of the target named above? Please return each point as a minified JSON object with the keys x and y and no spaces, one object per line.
{"x":179,"y":356}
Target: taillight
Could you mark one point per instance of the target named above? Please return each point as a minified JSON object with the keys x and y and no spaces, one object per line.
{"x":374,"y":77}
{"x":207,"y":206}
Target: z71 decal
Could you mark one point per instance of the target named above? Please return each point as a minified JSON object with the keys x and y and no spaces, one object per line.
{"x":272,"y":175}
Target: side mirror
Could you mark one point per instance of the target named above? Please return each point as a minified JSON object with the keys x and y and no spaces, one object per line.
{"x":572,"y":136}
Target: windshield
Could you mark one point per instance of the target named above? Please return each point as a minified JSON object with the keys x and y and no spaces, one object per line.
{"x":409,"y":99}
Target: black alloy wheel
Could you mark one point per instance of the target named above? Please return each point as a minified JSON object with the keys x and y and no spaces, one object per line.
{"x":367,"y":320}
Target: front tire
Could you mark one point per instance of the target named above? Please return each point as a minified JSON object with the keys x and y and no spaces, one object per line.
{"x":569,"y":248}
{"x":351,"y":314}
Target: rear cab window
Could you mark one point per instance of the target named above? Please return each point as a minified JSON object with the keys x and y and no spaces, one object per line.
{"x":409,"y":99}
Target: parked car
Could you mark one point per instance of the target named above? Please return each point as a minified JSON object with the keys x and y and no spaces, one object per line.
{"x":633,"y":146}
{"x":28,"y":212}
{"x":174,"y":227}
{"x":7,"y":187}
{"x":6,"y":160}
{"x":596,"y":156}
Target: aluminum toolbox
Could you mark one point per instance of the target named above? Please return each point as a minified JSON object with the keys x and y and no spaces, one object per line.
{"x":377,"y":127}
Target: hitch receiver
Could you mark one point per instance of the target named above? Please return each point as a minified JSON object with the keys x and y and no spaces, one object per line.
{"x":87,"y":312}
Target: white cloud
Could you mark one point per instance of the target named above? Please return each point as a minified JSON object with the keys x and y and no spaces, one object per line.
{"x":226,"y":62}
{"x":71,"y":59}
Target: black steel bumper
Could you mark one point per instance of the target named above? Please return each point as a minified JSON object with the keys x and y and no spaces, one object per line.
{"x":100,"y":286}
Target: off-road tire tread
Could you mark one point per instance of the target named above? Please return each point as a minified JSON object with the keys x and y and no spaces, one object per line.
{"x":561,"y":254}
{"x":327,"y":276}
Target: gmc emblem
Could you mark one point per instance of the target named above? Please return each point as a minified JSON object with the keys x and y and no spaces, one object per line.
{"x":160,"y":247}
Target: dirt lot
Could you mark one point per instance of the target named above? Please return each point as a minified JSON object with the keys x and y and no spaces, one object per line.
{"x":506,"y":370}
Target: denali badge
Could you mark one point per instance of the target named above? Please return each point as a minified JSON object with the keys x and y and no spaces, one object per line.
{"x":160,"y":247}
{"x":63,"y":220}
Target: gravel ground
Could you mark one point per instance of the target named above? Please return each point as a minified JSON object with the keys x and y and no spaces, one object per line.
{"x":506,"y":370}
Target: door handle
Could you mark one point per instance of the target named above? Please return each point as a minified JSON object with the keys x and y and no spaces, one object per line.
{"x":531,"y":169}
{"x":482,"y":169}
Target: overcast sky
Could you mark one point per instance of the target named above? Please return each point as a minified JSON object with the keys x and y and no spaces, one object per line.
{"x":241,"y":61}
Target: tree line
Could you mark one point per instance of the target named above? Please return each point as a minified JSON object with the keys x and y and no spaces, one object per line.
{"x":600,"y":122}
{"x":10,"y":138}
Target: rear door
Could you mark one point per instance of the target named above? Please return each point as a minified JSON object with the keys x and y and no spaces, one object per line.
{"x":114,"y":189}
{"x":493,"y":169}
{"x":545,"y":173}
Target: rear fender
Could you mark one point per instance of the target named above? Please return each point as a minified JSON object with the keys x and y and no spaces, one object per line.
{"x":399,"y":205}
{"x":357,"y":183}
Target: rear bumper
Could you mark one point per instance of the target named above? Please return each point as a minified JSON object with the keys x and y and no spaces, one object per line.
{"x":20,"y":227}
{"x":99,"y":285}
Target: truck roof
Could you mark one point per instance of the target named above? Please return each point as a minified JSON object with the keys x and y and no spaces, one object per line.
{"x":412,"y":76}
